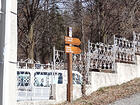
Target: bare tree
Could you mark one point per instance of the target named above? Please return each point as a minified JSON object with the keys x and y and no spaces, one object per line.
{"x":27,"y":15}
{"x":40,"y":26}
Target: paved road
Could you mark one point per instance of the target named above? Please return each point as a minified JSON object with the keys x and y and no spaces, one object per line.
{"x":132,"y":100}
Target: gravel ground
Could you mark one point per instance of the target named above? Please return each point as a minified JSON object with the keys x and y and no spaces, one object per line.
{"x":132,"y":100}
{"x":107,"y":95}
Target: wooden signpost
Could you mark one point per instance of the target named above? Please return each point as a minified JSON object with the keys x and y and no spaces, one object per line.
{"x":71,"y":50}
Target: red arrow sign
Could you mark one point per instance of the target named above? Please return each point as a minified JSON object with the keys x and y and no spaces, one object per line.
{"x":70,"y":40}
{"x":74,"y":50}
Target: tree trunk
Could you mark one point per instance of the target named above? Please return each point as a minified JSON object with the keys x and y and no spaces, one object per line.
{"x":32,"y":44}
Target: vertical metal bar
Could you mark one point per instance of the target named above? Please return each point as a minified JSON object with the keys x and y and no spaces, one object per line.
{"x":88,"y":58}
{"x":32,"y":78}
{"x":114,"y":55}
{"x":54,"y":60}
{"x":70,"y":79}
{"x":134,"y":45}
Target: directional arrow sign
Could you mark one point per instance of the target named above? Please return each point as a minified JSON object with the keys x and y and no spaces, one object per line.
{"x":70,"y":40}
{"x":74,"y":50}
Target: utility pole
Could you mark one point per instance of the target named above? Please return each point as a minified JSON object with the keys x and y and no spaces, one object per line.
{"x":70,"y":80}
{"x":8,"y":52}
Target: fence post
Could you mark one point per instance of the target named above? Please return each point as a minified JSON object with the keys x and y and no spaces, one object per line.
{"x":54,"y":60}
{"x":134,"y":43}
{"x":88,"y":58}
{"x":114,"y":54}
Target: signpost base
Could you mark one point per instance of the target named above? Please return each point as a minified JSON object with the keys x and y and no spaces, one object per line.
{"x":70,"y":80}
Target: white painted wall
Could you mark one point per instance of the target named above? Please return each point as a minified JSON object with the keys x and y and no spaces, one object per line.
{"x":60,"y":95}
{"x":125,"y":72}
{"x":99,"y":79}
{"x":138,"y":65}
{"x":61,"y":92}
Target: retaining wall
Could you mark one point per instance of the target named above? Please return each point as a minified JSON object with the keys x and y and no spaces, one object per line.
{"x":124,"y":73}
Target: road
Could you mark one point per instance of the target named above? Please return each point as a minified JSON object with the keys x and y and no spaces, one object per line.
{"x":132,"y":100}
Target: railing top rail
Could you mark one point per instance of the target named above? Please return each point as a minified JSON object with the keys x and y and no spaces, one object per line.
{"x":32,"y":64}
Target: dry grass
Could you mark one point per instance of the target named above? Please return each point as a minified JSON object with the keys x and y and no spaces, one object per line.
{"x":107,"y":95}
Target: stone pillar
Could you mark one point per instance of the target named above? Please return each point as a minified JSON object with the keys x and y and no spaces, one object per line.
{"x":9,"y":50}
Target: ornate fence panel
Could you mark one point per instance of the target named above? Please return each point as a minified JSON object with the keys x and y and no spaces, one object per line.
{"x":34,"y":81}
{"x":31,"y":85}
{"x":136,"y":39}
{"x":124,"y":50}
{"x":78,"y":62}
{"x":30,"y":64}
{"x":101,"y":56}
{"x":59,"y":58}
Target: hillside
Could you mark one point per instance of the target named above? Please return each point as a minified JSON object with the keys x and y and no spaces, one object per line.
{"x":107,"y":95}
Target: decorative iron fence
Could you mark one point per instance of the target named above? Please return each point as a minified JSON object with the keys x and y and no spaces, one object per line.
{"x":32,"y":64}
{"x":136,"y":39}
{"x":34,"y":85}
{"x":35,"y":80}
{"x":124,"y":50}
{"x":38,"y":82}
{"x":78,"y":62}
{"x":59,"y":59}
{"x":101,"y":56}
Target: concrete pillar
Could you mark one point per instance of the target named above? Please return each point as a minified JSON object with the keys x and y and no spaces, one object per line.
{"x":138,"y":65}
{"x":2,"y":25}
{"x":1,"y":51}
{"x":8,"y":52}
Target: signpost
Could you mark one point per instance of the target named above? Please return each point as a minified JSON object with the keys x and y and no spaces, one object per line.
{"x":71,"y":50}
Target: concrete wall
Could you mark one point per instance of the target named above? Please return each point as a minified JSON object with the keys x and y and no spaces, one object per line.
{"x":138,"y":65}
{"x":60,"y":91}
{"x":99,"y":79}
{"x":124,"y":73}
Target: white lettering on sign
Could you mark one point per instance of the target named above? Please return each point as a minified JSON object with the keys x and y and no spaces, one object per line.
{"x":70,"y":31}
{"x":68,"y":49}
{"x":69,"y":39}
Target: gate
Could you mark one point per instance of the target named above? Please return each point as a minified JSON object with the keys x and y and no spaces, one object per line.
{"x":33,"y":82}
